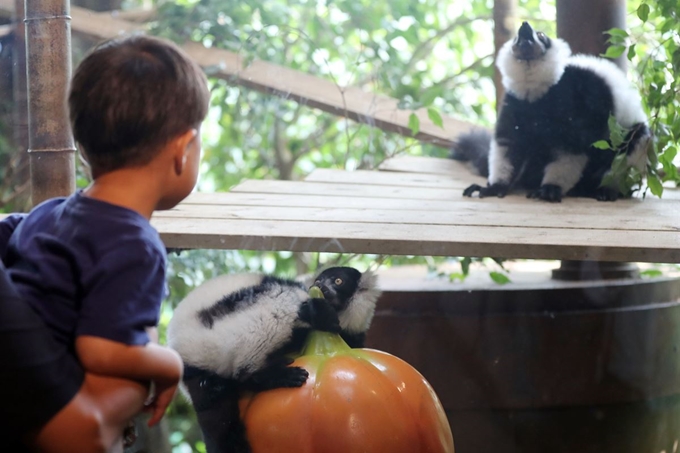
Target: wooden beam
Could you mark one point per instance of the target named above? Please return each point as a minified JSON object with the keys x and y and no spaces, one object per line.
{"x":351,"y":102}
{"x":139,"y":15}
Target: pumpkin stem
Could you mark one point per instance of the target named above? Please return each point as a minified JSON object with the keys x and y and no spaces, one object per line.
{"x":324,"y":343}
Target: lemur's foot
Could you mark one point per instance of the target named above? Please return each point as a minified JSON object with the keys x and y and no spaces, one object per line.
{"x":606,"y":194}
{"x":493,"y":190}
{"x":547,"y":192}
{"x":129,"y":434}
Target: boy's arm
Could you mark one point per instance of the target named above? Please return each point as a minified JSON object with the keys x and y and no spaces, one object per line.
{"x":110,"y":358}
{"x":152,"y":362}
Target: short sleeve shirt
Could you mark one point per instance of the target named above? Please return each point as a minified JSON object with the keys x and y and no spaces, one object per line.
{"x":88,"y":268}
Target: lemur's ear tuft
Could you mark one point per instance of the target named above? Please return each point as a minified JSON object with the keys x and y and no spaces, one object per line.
{"x":368,"y":281}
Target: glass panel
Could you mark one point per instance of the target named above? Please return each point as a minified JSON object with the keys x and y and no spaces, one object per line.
{"x":515,"y":199}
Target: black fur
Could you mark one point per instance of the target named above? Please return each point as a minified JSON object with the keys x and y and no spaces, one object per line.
{"x":473,"y":147}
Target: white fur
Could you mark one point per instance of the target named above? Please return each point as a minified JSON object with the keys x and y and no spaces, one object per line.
{"x":565,"y":171}
{"x":529,"y":80}
{"x":237,"y":344}
{"x":500,"y":168}
{"x":358,"y":318}
{"x":637,"y":157}
{"x":627,"y":104}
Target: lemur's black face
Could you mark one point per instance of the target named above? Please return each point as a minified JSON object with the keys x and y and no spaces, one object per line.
{"x":338,"y":285}
{"x":530,"y":45}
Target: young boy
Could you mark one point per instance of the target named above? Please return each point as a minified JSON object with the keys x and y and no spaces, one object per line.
{"x":91,"y":265}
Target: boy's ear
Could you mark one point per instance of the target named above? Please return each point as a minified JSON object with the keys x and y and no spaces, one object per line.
{"x":181,"y":146}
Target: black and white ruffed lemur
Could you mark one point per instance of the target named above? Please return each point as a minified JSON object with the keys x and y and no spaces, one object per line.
{"x":556,"y":106}
{"x":235,"y":332}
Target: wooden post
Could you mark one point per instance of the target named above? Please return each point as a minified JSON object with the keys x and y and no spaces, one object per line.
{"x":504,"y":23}
{"x":51,"y":146}
{"x":582,"y":24}
{"x":99,"y":5}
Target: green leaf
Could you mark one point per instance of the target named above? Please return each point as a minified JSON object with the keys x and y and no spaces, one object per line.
{"x":651,"y":273}
{"x":453,"y":276}
{"x":670,"y":154}
{"x":631,"y":52}
{"x":614,"y":51}
{"x":499,"y":278}
{"x":414,"y":124}
{"x":619,"y":33}
{"x":643,"y":12}
{"x":465,"y":265}
{"x":602,"y":144}
{"x":617,"y":134}
{"x":435,"y":117}
{"x":430,"y":94}
{"x":655,"y":185}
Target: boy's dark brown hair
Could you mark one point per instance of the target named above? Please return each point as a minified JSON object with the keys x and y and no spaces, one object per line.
{"x":132,"y":95}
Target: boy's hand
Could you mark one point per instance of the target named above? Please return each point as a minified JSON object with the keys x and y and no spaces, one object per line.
{"x":165,"y":392}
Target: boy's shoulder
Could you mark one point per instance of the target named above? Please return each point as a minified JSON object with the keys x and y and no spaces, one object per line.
{"x":92,"y":223}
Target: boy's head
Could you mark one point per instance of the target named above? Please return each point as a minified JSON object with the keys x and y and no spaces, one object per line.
{"x":130,"y":97}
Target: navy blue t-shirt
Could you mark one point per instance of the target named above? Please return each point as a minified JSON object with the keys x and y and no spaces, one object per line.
{"x":88,"y":268}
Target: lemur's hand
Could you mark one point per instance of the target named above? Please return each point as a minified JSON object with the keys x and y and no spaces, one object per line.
{"x":320,"y":315}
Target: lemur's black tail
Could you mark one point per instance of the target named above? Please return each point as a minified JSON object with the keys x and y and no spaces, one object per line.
{"x":473,"y":147}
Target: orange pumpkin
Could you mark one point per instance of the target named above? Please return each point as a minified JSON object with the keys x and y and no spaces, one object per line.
{"x":355,"y":400}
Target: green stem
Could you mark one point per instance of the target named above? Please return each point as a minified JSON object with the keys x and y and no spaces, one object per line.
{"x":324,"y":343}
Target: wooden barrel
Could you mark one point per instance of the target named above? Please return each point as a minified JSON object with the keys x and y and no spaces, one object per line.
{"x":562,"y":367}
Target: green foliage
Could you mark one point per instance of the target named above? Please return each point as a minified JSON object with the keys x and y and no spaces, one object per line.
{"x":654,"y":51}
{"x":499,"y":278}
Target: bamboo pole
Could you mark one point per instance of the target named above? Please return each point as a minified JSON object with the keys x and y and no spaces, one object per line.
{"x":51,"y":146}
{"x":504,"y":29}
{"x":20,"y":120}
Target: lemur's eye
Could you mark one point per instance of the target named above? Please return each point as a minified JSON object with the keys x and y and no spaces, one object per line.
{"x":338,"y":281}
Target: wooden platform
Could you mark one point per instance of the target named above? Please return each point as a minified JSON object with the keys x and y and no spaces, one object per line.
{"x":414,"y":206}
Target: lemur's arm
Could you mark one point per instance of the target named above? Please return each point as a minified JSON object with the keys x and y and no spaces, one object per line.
{"x":501,"y":172}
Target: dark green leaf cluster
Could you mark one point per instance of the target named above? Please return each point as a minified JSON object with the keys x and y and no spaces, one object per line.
{"x":653,"y":48}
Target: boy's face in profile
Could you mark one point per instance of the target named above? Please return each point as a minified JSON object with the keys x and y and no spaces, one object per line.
{"x":193,"y":162}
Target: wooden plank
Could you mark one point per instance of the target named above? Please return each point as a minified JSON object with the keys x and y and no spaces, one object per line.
{"x":444,"y":240}
{"x":344,"y":190}
{"x":134,"y":15}
{"x":454,"y":193}
{"x":466,"y":214}
{"x":423,"y":164}
{"x":351,"y":102}
{"x":388,"y":178}
{"x":634,"y":209}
